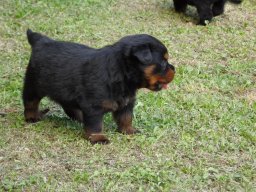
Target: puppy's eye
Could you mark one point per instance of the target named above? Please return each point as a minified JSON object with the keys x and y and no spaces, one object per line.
{"x":163,"y":66}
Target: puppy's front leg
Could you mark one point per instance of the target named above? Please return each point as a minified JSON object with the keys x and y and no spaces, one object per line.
{"x":93,"y":125}
{"x":123,"y":118}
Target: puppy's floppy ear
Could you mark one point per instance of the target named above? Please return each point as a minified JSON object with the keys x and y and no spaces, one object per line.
{"x":143,"y":54}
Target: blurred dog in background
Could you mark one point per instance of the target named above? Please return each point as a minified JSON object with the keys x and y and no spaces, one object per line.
{"x":207,"y":9}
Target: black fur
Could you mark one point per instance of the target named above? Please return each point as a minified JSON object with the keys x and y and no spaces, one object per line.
{"x":89,"y":82}
{"x":207,"y":9}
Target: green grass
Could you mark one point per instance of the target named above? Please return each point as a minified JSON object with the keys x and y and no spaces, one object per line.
{"x":200,"y":135}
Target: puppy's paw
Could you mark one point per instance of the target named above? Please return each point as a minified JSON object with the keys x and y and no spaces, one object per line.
{"x":33,"y":117}
{"x":97,"y":138}
{"x":128,"y":130}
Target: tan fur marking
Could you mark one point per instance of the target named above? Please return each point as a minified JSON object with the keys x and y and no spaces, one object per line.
{"x":161,"y":79}
{"x":96,"y":137}
{"x":31,"y":115}
{"x":110,"y":105}
{"x":125,"y":120}
{"x":169,"y":75}
{"x":31,"y":110}
{"x":153,"y":79}
{"x":166,"y":56}
{"x":124,"y":123}
{"x":33,"y":105}
{"x":149,"y":70}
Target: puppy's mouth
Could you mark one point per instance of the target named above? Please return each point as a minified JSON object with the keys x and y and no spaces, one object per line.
{"x":161,"y":81}
{"x":158,"y":87}
{"x":164,"y":86}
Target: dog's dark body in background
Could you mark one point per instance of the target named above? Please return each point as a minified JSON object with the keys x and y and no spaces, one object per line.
{"x":89,"y":82}
{"x":207,"y":9}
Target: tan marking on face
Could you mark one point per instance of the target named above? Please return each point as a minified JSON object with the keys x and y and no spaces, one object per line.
{"x":149,"y":71}
{"x":166,"y":56}
{"x":167,"y":78}
{"x":152,"y":78}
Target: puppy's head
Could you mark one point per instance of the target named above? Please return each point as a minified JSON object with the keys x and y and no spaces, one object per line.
{"x":150,"y":57}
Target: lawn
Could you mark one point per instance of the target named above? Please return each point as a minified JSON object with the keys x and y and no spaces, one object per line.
{"x":199,"y":135}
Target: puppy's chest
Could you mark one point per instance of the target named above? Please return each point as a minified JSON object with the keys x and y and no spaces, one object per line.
{"x":114,"y":105}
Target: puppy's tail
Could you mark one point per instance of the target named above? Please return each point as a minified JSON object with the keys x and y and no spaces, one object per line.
{"x":236,"y":1}
{"x":33,"y":37}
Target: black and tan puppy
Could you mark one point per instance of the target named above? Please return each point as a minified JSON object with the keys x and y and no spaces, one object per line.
{"x":89,"y":82}
{"x":207,"y":9}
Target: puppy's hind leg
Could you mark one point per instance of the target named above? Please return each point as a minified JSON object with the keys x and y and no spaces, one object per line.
{"x":31,"y":99}
{"x":218,"y":7}
{"x":180,"y":5}
{"x":31,"y":112}
{"x":31,"y":106}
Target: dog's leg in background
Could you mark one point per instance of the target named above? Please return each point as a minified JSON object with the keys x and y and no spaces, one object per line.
{"x":123,"y":120}
{"x":180,"y":5}
{"x":218,"y":7}
{"x":205,"y":12}
{"x":93,"y":125}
